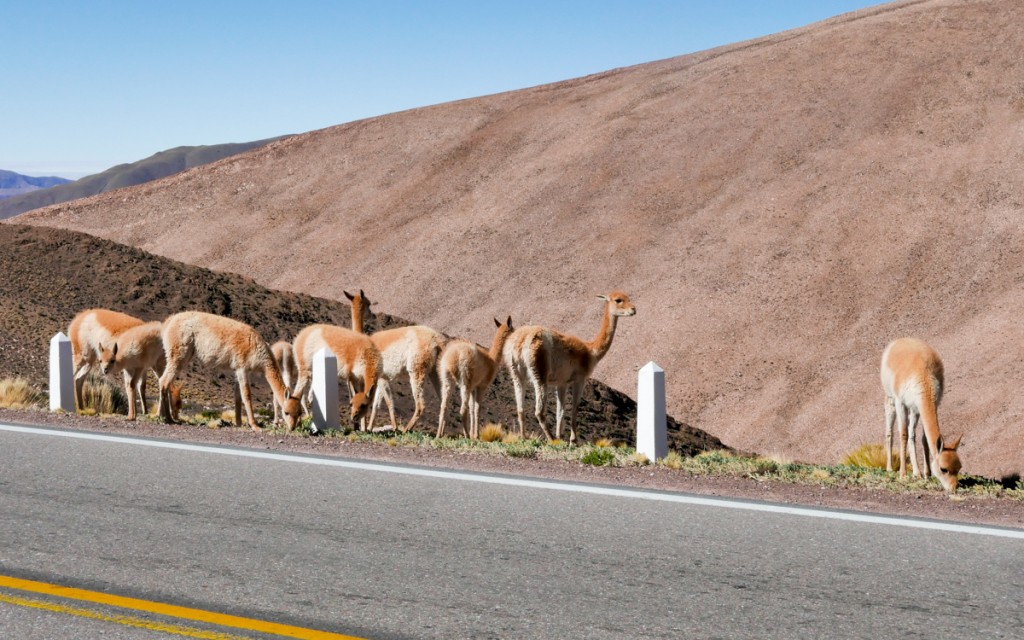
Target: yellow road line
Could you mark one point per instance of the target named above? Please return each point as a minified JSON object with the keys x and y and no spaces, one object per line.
{"x":125,"y":620}
{"x":170,"y":610}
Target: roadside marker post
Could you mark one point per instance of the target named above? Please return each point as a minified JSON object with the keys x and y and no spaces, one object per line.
{"x":62,"y":377}
{"x":325,"y":391}
{"x":651,"y":422}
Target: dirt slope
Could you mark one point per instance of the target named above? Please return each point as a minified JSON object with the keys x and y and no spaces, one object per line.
{"x":779,"y":209}
{"x":38,"y":298}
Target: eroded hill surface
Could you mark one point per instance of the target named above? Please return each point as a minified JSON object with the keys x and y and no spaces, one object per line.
{"x":779,"y":210}
{"x":51,"y":274}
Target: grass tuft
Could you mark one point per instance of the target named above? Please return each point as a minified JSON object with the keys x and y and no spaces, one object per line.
{"x":870,"y":456}
{"x":99,"y":396}
{"x":637,"y":459}
{"x":492,"y":433}
{"x":673,"y":460}
{"x":16,"y":393}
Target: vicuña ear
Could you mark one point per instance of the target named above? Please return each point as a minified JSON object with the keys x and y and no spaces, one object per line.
{"x":497,"y":323}
{"x":348,"y":295}
{"x":508,"y":323}
{"x":956,"y":443}
{"x":603,"y":297}
{"x":114,"y":350}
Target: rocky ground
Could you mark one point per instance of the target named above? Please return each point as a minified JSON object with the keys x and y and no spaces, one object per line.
{"x":931,"y":504}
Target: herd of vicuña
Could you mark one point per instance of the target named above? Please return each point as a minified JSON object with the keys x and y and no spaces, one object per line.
{"x":368,"y":364}
{"x":911,"y":371}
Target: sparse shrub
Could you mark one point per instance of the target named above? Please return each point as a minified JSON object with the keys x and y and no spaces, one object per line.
{"x":521,"y":450}
{"x":16,"y":393}
{"x":392,"y":442}
{"x":603,"y":443}
{"x":227,"y":416}
{"x":101,"y":397}
{"x":492,"y":433}
{"x":764,"y":466}
{"x":871,"y":456}
{"x":557,"y":442}
{"x":598,"y":457}
{"x":511,"y":438}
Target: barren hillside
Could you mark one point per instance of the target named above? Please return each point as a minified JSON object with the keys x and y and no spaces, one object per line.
{"x":779,"y":210}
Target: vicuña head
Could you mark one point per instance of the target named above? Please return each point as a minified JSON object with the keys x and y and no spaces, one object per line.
{"x":619,"y":304}
{"x":361,"y":312}
{"x":946,"y":465}
{"x":361,"y":404}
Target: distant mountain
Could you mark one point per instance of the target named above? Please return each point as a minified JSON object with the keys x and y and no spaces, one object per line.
{"x":14,"y":184}
{"x":159,"y":165}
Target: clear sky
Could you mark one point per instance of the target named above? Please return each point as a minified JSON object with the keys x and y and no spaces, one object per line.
{"x":91,"y":84}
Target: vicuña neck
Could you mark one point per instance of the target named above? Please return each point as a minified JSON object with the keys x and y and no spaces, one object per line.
{"x":357,"y":318}
{"x":603,"y":340}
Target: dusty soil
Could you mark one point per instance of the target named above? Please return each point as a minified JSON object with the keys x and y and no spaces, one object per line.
{"x":778,"y":209}
{"x":927,"y":504}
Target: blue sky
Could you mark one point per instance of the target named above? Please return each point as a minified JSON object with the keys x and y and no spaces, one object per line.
{"x":89,"y":85}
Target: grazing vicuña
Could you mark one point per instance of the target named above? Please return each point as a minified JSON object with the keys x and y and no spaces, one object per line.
{"x":912,"y":378}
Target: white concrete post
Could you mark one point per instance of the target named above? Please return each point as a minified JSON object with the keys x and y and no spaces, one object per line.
{"x":62,"y":376}
{"x":325,"y":391}
{"x":651,"y":429}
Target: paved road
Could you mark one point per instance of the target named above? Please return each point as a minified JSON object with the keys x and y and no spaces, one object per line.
{"x":383,"y":555}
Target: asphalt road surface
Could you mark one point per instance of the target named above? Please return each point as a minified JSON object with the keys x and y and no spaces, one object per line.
{"x":377,"y":554}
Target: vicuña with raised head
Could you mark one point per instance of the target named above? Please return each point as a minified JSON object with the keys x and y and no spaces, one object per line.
{"x":472,"y":368}
{"x":547,"y":357}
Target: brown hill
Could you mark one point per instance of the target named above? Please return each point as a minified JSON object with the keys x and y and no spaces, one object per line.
{"x":779,"y":210}
{"x":38,"y":298}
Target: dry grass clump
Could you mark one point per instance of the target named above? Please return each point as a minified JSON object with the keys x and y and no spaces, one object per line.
{"x":511,"y":438}
{"x":16,"y":393}
{"x":101,"y":397}
{"x":492,"y":433}
{"x":636,"y":459}
{"x":674,"y":460}
{"x":869,"y":456}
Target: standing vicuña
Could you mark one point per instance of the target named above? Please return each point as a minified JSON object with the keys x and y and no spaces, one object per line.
{"x":547,"y":357}
{"x":135,"y":351}
{"x":92,"y":334}
{"x":473,"y":369}
{"x":912,"y":378}
{"x":285,"y":358}
{"x":222,"y":344}
{"x":409,"y":351}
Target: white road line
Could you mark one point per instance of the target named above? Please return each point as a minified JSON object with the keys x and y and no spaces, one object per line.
{"x":636,"y":494}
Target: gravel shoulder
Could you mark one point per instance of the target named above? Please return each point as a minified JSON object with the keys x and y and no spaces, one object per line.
{"x":1001,"y":512}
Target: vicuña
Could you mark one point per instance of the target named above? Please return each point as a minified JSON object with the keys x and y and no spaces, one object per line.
{"x":912,"y":378}
{"x":135,"y":351}
{"x":92,"y":334}
{"x":546,"y":357}
{"x":472,"y":368}
{"x":222,"y":344}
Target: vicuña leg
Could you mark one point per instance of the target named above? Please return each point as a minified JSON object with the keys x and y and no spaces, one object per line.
{"x":890,"y":418}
